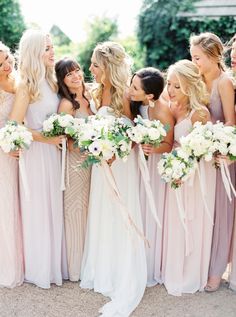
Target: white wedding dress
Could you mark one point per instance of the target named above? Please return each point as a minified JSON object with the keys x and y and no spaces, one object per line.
{"x":114,"y":261}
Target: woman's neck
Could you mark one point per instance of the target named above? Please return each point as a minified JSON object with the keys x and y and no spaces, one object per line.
{"x":210,"y":76}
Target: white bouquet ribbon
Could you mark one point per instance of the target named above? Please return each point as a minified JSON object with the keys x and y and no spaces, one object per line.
{"x":22,"y":171}
{"x":63,"y":164}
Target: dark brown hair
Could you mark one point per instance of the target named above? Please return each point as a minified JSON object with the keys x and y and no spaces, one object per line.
{"x":62,"y":68}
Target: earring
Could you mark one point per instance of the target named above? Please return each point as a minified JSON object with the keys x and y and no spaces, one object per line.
{"x":151,"y":104}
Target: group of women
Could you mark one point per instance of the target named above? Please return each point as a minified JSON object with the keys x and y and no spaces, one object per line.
{"x":101,"y":230}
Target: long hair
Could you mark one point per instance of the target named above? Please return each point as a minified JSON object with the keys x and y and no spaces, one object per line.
{"x":211,"y":45}
{"x":32,"y":70}
{"x":62,"y":68}
{"x":5,"y":49}
{"x":115,"y":65}
{"x":152,"y":82}
{"x":191,"y":84}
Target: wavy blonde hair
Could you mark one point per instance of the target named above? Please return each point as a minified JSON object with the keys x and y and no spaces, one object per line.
{"x":191,"y":84}
{"x":32,"y":70}
{"x":6,"y":49}
{"x":211,"y":45}
{"x":115,"y":65}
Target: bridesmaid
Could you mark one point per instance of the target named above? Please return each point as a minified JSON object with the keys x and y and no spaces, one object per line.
{"x":42,"y":212}
{"x":232,"y":278}
{"x":74,"y":101}
{"x":187,"y":240}
{"x":207,"y":53}
{"x":146,"y":87}
{"x":114,"y":261}
{"x":11,"y":251}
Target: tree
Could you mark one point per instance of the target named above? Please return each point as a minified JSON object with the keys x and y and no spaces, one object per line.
{"x":164,"y":34}
{"x":99,"y":30}
{"x":59,"y":37}
{"x":11,"y":23}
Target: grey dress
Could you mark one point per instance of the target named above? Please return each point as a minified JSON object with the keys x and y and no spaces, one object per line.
{"x":224,"y":209}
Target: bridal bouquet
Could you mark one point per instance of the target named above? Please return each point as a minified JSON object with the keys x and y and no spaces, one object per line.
{"x":147,"y":131}
{"x":102,"y":138}
{"x":56,"y":124}
{"x":199,"y":143}
{"x":206,"y":141}
{"x":14,"y":137}
{"x":224,"y":140}
{"x":176,"y":167}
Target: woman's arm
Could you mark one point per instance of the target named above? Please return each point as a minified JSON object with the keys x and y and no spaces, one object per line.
{"x":19,"y":110}
{"x":226,"y":91}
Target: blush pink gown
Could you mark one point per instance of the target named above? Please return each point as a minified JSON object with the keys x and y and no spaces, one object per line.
{"x":11,"y":251}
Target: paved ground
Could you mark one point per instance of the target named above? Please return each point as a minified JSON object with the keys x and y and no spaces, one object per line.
{"x":71,"y":301}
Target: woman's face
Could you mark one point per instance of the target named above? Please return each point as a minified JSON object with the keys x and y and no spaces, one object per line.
{"x":174,"y":89}
{"x":6,"y":64}
{"x":48,"y":56}
{"x":199,"y":58}
{"x":136,"y":91}
{"x":233,"y":56}
{"x":95,"y":70}
{"x":74,"y":79}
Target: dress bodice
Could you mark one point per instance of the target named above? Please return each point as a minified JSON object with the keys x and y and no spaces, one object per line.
{"x":216,"y":108}
{"x":41,"y":109}
{"x":6,"y":102}
{"x":182,"y":128}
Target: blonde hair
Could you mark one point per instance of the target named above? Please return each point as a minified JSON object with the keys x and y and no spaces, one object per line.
{"x":115,"y":65}
{"x":211,"y":45}
{"x":191,"y":84}
{"x":6,"y":49}
{"x":32,"y":70}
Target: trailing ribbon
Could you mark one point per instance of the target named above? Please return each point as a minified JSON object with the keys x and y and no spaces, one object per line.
{"x":201,"y":174}
{"x":226,"y":179}
{"x":146,"y":179}
{"x":63,"y":161}
{"x":116,"y":195}
{"x":22,"y":171}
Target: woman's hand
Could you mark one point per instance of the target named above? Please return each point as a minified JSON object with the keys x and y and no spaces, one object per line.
{"x":15,"y":154}
{"x":148,"y":149}
{"x":222,"y":157}
{"x":55,"y":140}
{"x":109,"y":162}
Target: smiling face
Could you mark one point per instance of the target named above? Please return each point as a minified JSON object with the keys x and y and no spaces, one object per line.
{"x":96,"y":70}
{"x":6,"y":64}
{"x":48,"y":56}
{"x":136,"y":91}
{"x":233,"y":56}
{"x":199,"y":58}
{"x":74,"y":79}
{"x":174,"y":89}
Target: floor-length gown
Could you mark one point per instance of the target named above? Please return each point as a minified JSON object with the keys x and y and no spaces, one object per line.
{"x":152,"y":230}
{"x":42,"y":212}
{"x":224,"y":209}
{"x":232,"y":278}
{"x":76,"y":197}
{"x":186,"y":250}
{"x":114,"y":261}
{"x":11,"y":251}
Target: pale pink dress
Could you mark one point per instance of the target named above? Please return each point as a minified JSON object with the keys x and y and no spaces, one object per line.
{"x":151,"y":229}
{"x":11,"y":251}
{"x":232,"y":277}
{"x":224,"y":209}
{"x":42,"y":214}
{"x":186,"y":252}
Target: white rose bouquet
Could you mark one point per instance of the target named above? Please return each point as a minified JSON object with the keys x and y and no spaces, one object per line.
{"x":176,"y":167}
{"x":56,"y":125}
{"x":102,"y":138}
{"x":148,"y":131}
{"x":199,"y":143}
{"x":14,"y":137}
